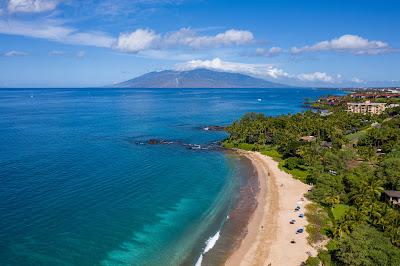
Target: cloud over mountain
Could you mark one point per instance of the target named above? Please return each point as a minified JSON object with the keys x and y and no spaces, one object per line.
{"x":266,"y":71}
{"x":261,"y":70}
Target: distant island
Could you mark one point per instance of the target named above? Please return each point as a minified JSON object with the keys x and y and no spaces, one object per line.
{"x":197,"y":78}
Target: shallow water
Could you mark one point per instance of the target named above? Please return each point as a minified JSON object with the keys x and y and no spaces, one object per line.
{"x":75,"y":189}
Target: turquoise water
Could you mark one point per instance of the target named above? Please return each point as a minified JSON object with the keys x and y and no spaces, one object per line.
{"x":76,"y":189}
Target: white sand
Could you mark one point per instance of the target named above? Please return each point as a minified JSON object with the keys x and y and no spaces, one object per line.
{"x":269,"y":232}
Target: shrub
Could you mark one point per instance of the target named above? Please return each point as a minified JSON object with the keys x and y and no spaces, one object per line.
{"x":325,"y":258}
{"x":318,"y":219}
{"x":292,"y":163}
{"x":312,"y":261}
{"x":366,"y":246}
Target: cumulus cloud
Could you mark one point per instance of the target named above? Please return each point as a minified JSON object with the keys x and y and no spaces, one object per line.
{"x":145,"y":39}
{"x":14,"y":53}
{"x":262,"y":70}
{"x":141,"y":39}
{"x":316,"y":77}
{"x":131,"y":42}
{"x":346,"y":43}
{"x":31,"y":6}
{"x":273,"y":51}
{"x":229,"y":37}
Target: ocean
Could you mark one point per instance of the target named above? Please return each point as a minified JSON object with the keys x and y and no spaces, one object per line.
{"x":80,"y":185}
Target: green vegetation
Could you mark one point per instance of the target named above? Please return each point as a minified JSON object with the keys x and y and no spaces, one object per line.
{"x":366,"y":246}
{"x":338,"y":211}
{"x":312,"y":261}
{"x":242,"y":146}
{"x":323,"y":258}
{"x":272,"y":152}
{"x":319,"y":222}
{"x":349,"y":159}
{"x":265,"y":149}
{"x":354,"y":137}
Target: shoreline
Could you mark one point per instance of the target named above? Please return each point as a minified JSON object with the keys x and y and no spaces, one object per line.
{"x":221,"y":243}
{"x":269,"y":233}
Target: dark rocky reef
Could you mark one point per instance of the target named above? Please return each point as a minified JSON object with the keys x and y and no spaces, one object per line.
{"x":208,"y":146}
{"x":214,"y":128}
{"x":158,"y":141}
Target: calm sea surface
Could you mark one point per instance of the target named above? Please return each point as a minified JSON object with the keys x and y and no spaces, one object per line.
{"x":77,"y":189}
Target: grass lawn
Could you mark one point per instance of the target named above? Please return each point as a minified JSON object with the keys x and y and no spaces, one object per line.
{"x":272,"y":152}
{"x":242,"y":146}
{"x":339,"y":210}
{"x":266,"y":150}
{"x":297,"y":173}
{"x":354,"y":137}
{"x":300,"y":174}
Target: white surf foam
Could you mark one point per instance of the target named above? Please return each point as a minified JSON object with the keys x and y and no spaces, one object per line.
{"x":210,"y":243}
{"x":198,"y":262}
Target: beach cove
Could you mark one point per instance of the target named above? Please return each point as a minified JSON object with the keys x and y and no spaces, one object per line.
{"x":78,"y":187}
{"x":268,"y":241}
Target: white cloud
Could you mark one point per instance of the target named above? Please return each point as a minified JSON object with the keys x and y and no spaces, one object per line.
{"x":54,"y":31}
{"x":273,"y":51}
{"x":93,"y":38}
{"x":145,"y":39}
{"x":39,"y":29}
{"x":262,"y":70}
{"x":133,"y":42}
{"x":141,"y":39}
{"x":357,"y":80}
{"x":346,"y":43}
{"x":316,"y":77}
{"x":171,"y":54}
{"x":229,"y":37}
{"x":31,"y":6}
{"x":14,"y":53}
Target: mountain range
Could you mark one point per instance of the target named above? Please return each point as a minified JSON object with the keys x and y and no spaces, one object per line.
{"x":197,"y":78}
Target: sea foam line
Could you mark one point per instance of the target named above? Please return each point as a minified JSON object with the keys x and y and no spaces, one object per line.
{"x":210,"y":243}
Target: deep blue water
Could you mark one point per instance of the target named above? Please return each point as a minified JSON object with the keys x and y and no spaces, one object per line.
{"x":75,"y":189}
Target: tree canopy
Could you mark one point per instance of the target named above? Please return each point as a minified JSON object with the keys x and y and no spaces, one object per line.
{"x":349,"y":159}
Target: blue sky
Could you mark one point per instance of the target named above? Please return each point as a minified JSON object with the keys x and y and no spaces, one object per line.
{"x":70,"y":43}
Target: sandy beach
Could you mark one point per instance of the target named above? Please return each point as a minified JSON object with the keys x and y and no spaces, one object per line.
{"x":269,"y":232}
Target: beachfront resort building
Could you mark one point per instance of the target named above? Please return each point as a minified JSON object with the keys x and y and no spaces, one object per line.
{"x":392,"y":196}
{"x":366,"y":108}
